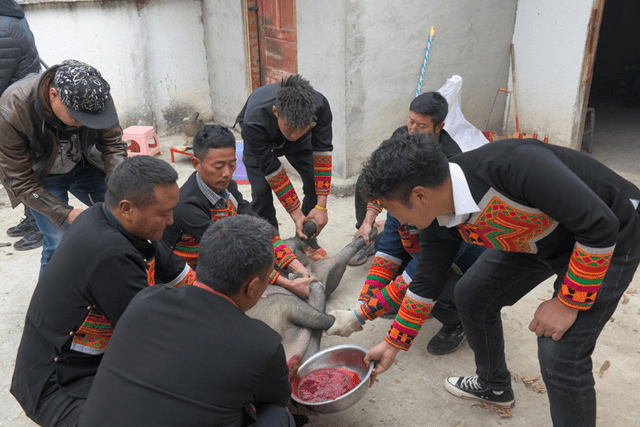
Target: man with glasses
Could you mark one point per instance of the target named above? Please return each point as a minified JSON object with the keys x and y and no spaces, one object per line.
{"x":59,"y":134}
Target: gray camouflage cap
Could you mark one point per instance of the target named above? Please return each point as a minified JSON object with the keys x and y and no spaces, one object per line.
{"x":85,"y":93}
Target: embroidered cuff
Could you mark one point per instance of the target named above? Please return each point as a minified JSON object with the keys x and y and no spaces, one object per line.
{"x":282,"y":187}
{"x":382,"y":271}
{"x":587,"y":268}
{"x":387,"y":299}
{"x":273,"y":277}
{"x":186,"y":277}
{"x":187,"y":249}
{"x":410,"y":239}
{"x":413,"y":313}
{"x":374,"y":206}
{"x":322,"y":172}
{"x":94,"y":334}
{"x":283,"y":254}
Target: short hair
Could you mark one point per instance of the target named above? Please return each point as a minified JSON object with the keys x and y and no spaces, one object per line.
{"x":233,"y":250}
{"x":296,"y":101}
{"x":431,"y":104}
{"x":402,"y":163}
{"x":135,"y":179}
{"x":212,"y":136}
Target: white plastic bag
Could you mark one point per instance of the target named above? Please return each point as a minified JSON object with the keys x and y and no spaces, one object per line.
{"x":464,"y":133}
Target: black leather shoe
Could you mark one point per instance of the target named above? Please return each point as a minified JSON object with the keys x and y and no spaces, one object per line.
{"x":24,"y":227}
{"x":30,"y":241}
{"x":446,"y":341}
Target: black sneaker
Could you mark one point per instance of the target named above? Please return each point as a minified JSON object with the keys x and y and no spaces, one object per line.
{"x":24,"y":227}
{"x":30,"y":241}
{"x":446,"y":341}
{"x":472,"y":388}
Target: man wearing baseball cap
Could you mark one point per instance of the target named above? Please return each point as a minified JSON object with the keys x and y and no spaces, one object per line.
{"x":59,"y":134}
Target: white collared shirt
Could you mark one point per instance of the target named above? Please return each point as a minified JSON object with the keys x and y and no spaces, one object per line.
{"x":463,"y":201}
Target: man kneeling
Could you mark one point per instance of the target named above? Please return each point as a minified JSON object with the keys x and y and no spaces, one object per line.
{"x":190,"y":356}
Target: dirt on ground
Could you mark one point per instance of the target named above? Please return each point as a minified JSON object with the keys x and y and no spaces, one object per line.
{"x":411,"y":392}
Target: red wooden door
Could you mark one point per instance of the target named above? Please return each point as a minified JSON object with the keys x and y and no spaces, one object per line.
{"x":275,"y":34}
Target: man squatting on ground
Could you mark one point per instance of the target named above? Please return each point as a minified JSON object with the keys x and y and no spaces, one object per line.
{"x":191,"y":382}
{"x":545,"y":210}
{"x":59,"y":133}
{"x":293,"y":120}
{"x":110,"y":253}
{"x":395,"y":260}
{"x":211,"y":194}
{"x":19,"y":59}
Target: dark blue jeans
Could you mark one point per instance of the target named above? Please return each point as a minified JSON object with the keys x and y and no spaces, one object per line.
{"x":86,"y":182}
{"x":500,"y":279}
{"x":444,"y":311}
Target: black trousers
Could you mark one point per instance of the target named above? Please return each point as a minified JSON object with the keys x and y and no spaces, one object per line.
{"x":300,"y":156}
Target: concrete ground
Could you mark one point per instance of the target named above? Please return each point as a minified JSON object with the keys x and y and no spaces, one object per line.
{"x":411,"y":393}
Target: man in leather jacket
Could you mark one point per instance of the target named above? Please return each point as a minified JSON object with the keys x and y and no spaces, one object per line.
{"x":59,"y":134}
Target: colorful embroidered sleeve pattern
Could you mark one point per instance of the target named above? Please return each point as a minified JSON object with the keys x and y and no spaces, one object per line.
{"x":322,"y":172}
{"x":151,"y":271}
{"x":374,"y":206}
{"x":387,"y":299}
{"x":93,"y":335}
{"x":410,"y":239}
{"x":273,"y":277}
{"x":188,"y":247}
{"x":587,"y":268}
{"x":281,"y":185}
{"x":283,"y":254}
{"x":382,"y":271}
{"x":186,"y":277}
{"x":413,"y":312}
{"x":508,"y":226}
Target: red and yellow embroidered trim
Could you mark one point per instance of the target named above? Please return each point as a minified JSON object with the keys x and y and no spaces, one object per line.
{"x":587,"y":268}
{"x":413,"y":312}
{"x":505,"y":227}
{"x":374,"y":206}
{"x":386,"y":299}
{"x":322,"y":173}
{"x":283,"y":255}
{"x":410,"y":240}
{"x":282,"y":187}
{"x":382,"y":271}
{"x":94,"y":334}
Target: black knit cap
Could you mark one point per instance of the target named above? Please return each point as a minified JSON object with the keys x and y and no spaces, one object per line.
{"x":85,"y":93}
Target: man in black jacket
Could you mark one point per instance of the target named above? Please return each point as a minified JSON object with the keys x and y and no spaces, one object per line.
{"x":108,"y":255}
{"x":190,"y":356}
{"x":19,"y":59}
{"x":293,"y":120}
{"x":209,"y":195}
{"x":544,"y":210}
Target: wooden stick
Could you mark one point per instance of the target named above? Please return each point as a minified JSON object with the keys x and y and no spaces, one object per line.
{"x":513,"y":80}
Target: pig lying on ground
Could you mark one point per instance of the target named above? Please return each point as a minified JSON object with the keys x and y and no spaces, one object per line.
{"x":301,"y":323}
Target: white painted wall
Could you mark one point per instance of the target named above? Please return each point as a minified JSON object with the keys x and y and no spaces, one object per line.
{"x":152,"y":53}
{"x":549,"y":41}
{"x":224,"y":39}
{"x":365,"y":57}
{"x":369,"y":54}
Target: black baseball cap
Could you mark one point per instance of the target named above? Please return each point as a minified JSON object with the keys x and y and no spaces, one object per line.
{"x":85,"y":93}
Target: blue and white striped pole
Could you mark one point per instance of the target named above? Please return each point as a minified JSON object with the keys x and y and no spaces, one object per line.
{"x":426,"y":57}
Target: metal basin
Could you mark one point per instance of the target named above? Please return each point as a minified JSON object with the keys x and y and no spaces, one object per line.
{"x":340,"y":356}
